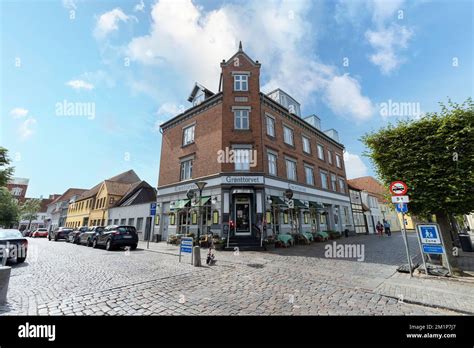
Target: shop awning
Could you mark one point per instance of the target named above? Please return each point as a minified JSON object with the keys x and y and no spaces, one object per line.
{"x":204,"y":201}
{"x":277,"y":200}
{"x":316,"y":205}
{"x":299,"y":204}
{"x":180,"y":204}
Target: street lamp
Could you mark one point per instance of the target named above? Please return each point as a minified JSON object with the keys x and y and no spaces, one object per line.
{"x":200,"y":185}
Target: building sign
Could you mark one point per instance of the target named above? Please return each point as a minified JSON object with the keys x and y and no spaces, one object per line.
{"x":297,"y":188}
{"x":242,"y":180}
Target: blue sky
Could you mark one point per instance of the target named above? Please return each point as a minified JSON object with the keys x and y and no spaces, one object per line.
{"x":133,"y":63}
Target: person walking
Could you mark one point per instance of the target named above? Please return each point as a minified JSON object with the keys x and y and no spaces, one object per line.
{"x":379,"y":228}
{"x":386,"y":225}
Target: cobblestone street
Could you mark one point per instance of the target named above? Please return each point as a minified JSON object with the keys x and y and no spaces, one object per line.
{"x":59,"y":278}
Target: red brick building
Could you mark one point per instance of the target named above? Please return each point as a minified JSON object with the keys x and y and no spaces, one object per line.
{"x":250,"y":148}
{"x":18,"y":187}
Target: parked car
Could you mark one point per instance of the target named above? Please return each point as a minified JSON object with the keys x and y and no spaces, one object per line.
{"x":26,"y":233}
{"x":16,"y":243}
{"x":73,"y":236}
{"x":114,"y":236}
{"x":87,"y":237}
{"x":59,"y":233}
{"x":40,"y":232}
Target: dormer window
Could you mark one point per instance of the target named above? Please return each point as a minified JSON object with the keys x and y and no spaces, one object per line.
{"x":199,"y":98}
{"x":241,"y":82}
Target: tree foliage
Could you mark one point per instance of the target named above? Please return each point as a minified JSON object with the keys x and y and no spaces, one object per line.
{"x":9,"y":209}
{"x":433,"y":155}
{"x":30,"y":208}
{"x":5,"y":171}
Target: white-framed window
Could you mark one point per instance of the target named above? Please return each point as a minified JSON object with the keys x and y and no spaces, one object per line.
{"x":338,"y":161}
{"x":242,"y":159}
{"x":270,"y":125}
{"x":186,"y":169}
{"x":241,"y":119}
{"x":290,"y":169}
{"x":241,"y":82}
{"x":288,"y":135}
{"x":272,"y":163}
{"x":309,"y":175}
{"x":329,"y":156}
{"x":324,"y":179}
{"x":188,"y":135}
{"x":333,"y":182}
{"x":199,"y":97}
{"x":342,"y":185}
{"x":320,"y":152}
{"x":306,"y":144}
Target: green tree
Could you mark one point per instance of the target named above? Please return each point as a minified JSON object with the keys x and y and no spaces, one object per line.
{"x":434,"y":156}
{"x":5,"y":172}
{"x":29,"y":210}
{"x":9,"y":210}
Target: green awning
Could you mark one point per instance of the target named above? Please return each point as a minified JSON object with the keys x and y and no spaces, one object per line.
{"x":180,"y":204}
{"x":277,"y":200}
{"x":299,"y":204}
{"x":316,"y":205}
{"x":204,"y":201}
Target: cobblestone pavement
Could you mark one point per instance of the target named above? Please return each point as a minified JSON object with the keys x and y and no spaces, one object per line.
{"x":61,"y":278}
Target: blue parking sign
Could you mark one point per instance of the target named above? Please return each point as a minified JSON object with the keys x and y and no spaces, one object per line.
{"x":152,"y":209}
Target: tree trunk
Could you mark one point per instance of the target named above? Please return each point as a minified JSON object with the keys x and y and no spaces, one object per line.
{"x":445,"y":226}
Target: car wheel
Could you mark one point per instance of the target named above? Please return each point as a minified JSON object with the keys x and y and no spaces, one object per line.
{"x":89,"y":243}
{"x":49,"y":237}
{"x":20,"y":259}
{"x":55,"y":238}
{"x":94,"y":244}
{"x":108,"y":245}
{"x":133,"y":247}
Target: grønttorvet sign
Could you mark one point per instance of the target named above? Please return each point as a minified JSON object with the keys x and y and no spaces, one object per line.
{"x":243,"y":180}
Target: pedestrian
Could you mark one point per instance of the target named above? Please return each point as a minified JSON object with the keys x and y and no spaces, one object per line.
{"x":379,"y":228}
{"x":386,"y":225}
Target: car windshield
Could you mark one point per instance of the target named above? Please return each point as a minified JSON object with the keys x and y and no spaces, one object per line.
{"x":125,"y":229}
{"x":7,"y":234}
{"x":99,"y":229}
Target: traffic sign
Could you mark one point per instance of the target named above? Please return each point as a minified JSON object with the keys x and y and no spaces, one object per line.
{"x":153,"y":209}
{"x":400,"y":199}
{"x":401,"y":207}
{"x":429,"y":234}
{"x":186,"y":247}
{"x":398,"y":188}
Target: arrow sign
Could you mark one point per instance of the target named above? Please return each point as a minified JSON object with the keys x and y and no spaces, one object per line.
{"x":401,"y":207}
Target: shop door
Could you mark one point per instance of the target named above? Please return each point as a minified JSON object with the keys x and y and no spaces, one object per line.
{"x":243,"y":216}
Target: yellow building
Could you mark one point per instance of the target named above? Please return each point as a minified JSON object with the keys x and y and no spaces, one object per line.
{"x":90,"y":209}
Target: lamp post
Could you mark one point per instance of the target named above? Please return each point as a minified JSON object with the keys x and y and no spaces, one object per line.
{"x":200,"y":185}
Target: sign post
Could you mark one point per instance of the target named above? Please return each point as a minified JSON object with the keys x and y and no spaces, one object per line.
{"x":152,"y":227}
{"x":186,"y":247}
{"x":431,"y":241}
{"x":398,"y":190}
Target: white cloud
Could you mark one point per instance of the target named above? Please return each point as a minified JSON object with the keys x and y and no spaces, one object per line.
{"x":80,"y":84}
{"x":26,"y":128}
{"x":387,"y":42}
{"x":354,"y":166}
{"x":344,"y":97}
{"x":139,"y":7}
{"x":191,"y":41}
{"x":170,"y":109}
{"x":108,"y":22}
{"x":19,"y":112}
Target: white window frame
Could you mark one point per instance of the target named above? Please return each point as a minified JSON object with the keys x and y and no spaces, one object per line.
{"x":270,"y":120}
{"x":186,"y":173}
{"x":239,"y":116}
{"x":342,"y":188}
{"x":338,"y":161}
{"x":241,"y":82}
{"x":329,"y":156}
{"x":242,"y":158}
{"x":321,"y":152}
{"x":311,"y":176}
{"x":333,"y":182}
{"x":188,"y":134}
{"x":324,"y":183}
{"x":271,"y":154}
{"x":294,"y":175}
{"x":306,"y":140}
{"x":288,"y":131}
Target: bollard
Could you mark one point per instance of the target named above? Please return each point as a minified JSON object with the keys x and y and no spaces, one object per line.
{"x":197,"y":256}
{"x":4,"y":280}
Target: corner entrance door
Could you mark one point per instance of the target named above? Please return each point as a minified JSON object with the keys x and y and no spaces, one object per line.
{"x":243,"y":216}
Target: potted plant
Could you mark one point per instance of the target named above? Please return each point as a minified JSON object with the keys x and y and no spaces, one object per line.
{"x":219,"y":244}
{"x":334,"y":234}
